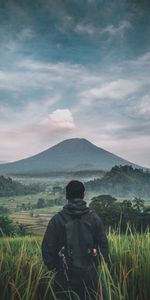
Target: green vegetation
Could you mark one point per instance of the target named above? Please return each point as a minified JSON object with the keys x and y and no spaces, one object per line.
{"x":122,"y":181}
{"x":8,"y":228}
{"x":119,"y":214}
{"x":23,"y":276}
{"x":9,"y":187}
{"x":17,"y":203}
{"x":4,"y":210}
{"x":33,"y":211}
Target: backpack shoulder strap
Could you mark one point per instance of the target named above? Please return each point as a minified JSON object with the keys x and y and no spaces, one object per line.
{"x":93,"y":225}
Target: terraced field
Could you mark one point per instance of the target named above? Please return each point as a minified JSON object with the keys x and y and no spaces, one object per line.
{"x":35,"y":224}
{"x":22,"y":210}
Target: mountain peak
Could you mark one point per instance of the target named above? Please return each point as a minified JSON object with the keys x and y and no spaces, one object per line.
{"x":75,"y":141}
{"x":76,"y":145}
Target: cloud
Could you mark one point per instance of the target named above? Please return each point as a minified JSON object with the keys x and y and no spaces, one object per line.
{"x":95,"y":30}
{"x":26,"y":112}
{"x":117,"y":90}
{"x":26,"y":34}
{"x":143,"y":108}
{"x":32,"y":74}
{"x":19,"y":81}
{"x":116,"y":30}
{"x":11,"y":46}
{"x":60,"y":119}
{"x":55,"y":101}
{"x":135,"y":150}
{"x":141,"y":64}
{"x":65,"y":71}
{"x":85,"y":29}
{"x":32,"y":130}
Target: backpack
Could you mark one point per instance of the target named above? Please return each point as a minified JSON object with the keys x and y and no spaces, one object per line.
{"x":78,"y":255}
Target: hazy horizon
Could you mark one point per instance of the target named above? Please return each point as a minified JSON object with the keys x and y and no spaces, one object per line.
{"x":75,"y":69}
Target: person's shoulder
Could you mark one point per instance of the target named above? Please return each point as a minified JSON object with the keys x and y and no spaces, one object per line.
{"x":95,"y":218}
{"x":57,"y":216}
{"x":94,"y":215}
{"x":61,"y":217}
{"x":54,"y":219}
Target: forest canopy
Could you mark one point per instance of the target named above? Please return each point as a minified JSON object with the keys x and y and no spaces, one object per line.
{"x":9,"y":187}
{"x":122,"y":181}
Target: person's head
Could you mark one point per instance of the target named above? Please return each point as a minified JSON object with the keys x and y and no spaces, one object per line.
{"x":75,"y":190}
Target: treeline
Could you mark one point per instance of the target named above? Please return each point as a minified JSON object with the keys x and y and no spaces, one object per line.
{"x":9,"y":187}
{"x":122,"y":181}
{"x":41,"y":203}
{"x":121,"y":215}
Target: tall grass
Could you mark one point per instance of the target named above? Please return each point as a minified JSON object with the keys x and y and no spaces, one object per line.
{"x":24,"y":277}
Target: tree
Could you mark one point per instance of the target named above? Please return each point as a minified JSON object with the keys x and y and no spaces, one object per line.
{"x":9,"y":187}
{"x":105,"y":200}
{"x":41,"y":203}
{"x":7,"y":227}
{"x":128,"y":215}
{"x":138,"y":204}
{"x":120,"y":214}
{"x":107,"y":208}
{"x":4,"y":210}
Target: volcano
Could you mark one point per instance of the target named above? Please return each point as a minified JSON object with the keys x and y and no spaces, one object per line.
{"x":67,"y":156}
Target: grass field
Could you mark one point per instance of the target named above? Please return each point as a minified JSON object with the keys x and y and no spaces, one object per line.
{"x":23,"y":276}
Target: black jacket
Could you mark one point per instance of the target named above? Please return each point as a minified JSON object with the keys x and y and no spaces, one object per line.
{"x":54,"y":235}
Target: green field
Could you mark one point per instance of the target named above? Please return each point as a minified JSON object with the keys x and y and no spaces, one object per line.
{"x":37,"y":223}
{"x":12,"y":202}
{"x":34,"y":220}
{"x":24,"y":277}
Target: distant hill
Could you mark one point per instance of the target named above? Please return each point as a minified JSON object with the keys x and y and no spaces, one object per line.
{"x":70,"y":155}
{"x":9,"y":187}
{"x":123,"y":181}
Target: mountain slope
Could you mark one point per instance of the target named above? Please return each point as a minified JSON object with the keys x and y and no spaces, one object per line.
{"x":122,"y":181}
{"x":69,"y":155}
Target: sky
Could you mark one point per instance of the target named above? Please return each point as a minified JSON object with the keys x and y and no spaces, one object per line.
{"x":75,"y":68}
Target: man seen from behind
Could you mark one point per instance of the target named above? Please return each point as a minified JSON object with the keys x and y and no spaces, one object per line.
{"x":72,"y":246}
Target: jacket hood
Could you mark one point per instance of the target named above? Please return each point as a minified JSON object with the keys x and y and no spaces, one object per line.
{"x":76,"y":207}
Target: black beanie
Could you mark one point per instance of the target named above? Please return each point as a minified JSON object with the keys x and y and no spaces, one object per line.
{"x":75,"y":189}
